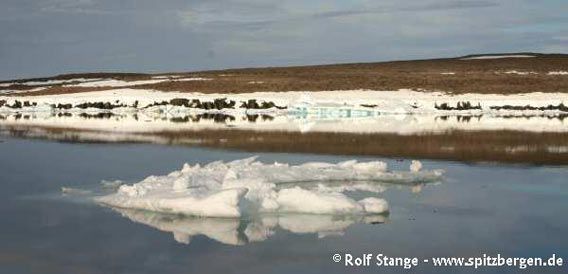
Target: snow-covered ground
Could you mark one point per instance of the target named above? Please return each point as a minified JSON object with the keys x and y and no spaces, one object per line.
{"x":94,"y":82}
{"x":16,"y":91}
{"x":401,"y":112}
{"x":122,"y":83}
{"x":520,"y":72}
{"x":51,"y":82}
{"x":400,"y":101}
{"x":557,"y":73}
{"x":484,"y":57}
{"x":247,"y":187}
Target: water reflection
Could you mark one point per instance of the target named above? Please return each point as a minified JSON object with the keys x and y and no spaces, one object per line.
{"x":144,"y":122}
{"x":244,"y":231}
{"x":540,"y":139}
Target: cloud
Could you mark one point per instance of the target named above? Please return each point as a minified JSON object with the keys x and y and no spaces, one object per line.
{"x":44,"y":37}
{"x":266,"y":17}
{"x":70,"y":6}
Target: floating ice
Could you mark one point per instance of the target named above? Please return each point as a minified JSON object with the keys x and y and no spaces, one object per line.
{"x":247,"y":187}
{"x":415,"y":166}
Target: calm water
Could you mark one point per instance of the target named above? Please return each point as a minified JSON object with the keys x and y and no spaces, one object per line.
{"x":489,"y":208}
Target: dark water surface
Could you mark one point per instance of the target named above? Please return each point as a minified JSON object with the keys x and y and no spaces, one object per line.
{"x":490,"y":208}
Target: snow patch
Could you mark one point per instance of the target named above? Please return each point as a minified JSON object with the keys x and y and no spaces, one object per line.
{"x":56,"y":82}
{"x":520,"y":72}
{"x":118,"y":83}
{"x":20,"y":91}
{"x":557,"y":73}
{"x":484,"y":57}
{"x":194,"y":79}
{"x":122,"y":83}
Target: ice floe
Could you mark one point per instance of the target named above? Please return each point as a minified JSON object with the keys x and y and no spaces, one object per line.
{"x":248,"y":187}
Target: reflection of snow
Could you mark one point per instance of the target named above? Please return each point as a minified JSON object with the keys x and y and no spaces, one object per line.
{"x":219,"y":229}
{"x":127,"y":125}
{"x":248,"y":187}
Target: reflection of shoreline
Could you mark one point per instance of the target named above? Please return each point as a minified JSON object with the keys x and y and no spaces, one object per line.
{"x":241,"y":231}
{"x":472,"y":146}
{"x":142,"y":122}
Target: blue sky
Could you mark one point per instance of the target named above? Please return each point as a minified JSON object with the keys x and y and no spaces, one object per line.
{"x":48,"y":37}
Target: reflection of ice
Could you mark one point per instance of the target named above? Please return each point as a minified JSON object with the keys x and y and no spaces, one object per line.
{"x":248,"y":187}
{"x":242,"y":231}
{"x":220,"y":229}
{"x":133,"y":124}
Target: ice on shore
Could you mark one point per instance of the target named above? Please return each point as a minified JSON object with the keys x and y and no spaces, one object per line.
{"x":325,"y":104}
{"x":247,"y":187}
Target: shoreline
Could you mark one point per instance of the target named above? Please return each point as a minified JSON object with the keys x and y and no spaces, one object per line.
{"x":399,"y":102}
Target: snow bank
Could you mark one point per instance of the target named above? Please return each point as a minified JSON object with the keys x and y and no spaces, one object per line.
{"x":248,"y":187}
{"x":402,"y":101}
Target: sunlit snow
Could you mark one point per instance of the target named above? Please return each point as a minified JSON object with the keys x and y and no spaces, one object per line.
{"x":248,"y":187}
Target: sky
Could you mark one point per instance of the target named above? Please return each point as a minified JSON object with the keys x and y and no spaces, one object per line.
{"x":49,"y":37}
